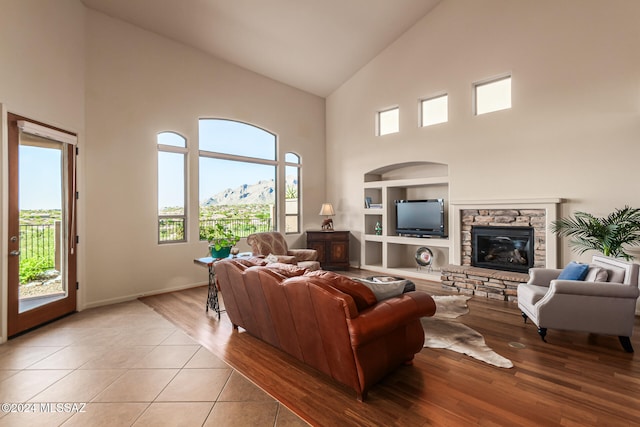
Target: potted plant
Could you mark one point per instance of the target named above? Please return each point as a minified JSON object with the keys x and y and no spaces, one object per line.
{"x":220,"y":239}
{"x":608,"y":235}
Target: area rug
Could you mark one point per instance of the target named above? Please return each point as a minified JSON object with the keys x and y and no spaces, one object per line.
{"x":443,"y":331}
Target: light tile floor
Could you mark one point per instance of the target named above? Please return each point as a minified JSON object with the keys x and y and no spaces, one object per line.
{"x":125,"y":365}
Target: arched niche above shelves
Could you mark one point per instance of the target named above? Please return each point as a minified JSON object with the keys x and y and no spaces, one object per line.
{"x":407,"y":170}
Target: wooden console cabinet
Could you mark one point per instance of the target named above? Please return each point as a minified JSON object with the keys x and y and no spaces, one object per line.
{"x":332,"y":247}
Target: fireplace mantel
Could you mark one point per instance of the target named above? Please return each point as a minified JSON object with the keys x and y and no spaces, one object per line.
{"x":549,"y":205}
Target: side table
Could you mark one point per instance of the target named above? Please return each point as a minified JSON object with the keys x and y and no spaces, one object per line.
{"x":212,"y":292}
{"x":332,"y":247}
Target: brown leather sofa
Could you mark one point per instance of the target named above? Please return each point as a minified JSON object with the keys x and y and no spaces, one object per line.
{"x":328,"y":321}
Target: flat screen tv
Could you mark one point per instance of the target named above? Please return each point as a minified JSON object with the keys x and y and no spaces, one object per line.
{"x":420,"y":217}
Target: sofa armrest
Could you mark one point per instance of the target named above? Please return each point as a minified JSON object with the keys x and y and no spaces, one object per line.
{"x":388,"y":315}
{"x":543,"y":276}
{"x":594,"y":289}
{"x":304,"y":254}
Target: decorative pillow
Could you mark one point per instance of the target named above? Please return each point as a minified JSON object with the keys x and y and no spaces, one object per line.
{"x":596,"y":274}
{"x":574,"y":271}
{"x":362,"y":296}
{"x":286,"y":270}
{"x":385,"y":290}
{"x":615,"y":274}
{"x":285,"y":259}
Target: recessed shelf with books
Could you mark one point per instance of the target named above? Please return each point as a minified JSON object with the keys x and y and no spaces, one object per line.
{"x":388,"y":252}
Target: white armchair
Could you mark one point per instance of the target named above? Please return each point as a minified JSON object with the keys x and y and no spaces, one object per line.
{"x":596,"y":305}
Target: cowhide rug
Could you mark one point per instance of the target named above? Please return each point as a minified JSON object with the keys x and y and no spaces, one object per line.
{"x":443,"y":331}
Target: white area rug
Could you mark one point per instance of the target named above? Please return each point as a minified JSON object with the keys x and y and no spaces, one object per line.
{"x":443,"y":331}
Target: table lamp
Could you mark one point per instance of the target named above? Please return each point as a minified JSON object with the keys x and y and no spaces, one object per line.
{"x":327,"y":211}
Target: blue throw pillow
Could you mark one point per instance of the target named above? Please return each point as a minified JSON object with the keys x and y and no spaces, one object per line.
{"x":574,"y":271}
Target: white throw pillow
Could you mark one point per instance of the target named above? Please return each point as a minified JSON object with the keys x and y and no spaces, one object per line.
{"x":385,"y":290}
{"x":596,"y":274}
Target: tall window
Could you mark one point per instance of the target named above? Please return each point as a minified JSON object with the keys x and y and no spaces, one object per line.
{"x":172,"y":158}
{"x":493,"y":95}
{"x":292,"y":191}
{"x":238,"y":170}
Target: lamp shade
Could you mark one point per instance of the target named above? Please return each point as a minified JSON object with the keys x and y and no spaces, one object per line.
{"x":327,"y":209}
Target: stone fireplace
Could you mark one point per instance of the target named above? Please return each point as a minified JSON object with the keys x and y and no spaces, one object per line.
{"x":510,"y":253}
{"x":502,"y":248}
{"x":495,"y":223}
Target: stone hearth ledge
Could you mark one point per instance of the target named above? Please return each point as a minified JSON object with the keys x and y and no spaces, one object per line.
{"x":482,"y":282}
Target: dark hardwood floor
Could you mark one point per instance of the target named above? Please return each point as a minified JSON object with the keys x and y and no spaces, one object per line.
{"x":575,"y":379}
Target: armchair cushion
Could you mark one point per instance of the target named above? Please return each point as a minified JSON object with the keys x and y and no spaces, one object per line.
{"x":304,"y":254}
{"x":574,"y":271}
{"x":286,"y":270}
{"x":274,"y":246}
{"x":283,"y":259}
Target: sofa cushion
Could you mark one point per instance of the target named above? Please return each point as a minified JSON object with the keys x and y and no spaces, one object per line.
{"x":596,"y":274}
{"x":574,"y":271}
{"x":362,"y":296}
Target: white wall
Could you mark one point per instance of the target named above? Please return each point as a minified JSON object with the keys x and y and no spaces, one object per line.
{"x":573,"y":130}
{"x":41,"y":77}
{"x":139,"y":84}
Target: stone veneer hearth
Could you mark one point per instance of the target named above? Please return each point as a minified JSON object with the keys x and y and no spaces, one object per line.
{"x":483,"y":282}
{"x":496,"y":284}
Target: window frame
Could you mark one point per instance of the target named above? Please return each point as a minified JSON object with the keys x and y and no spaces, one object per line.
{"x":246,"y":159}
{"x":185,"y":155}
{"x":379,"y":120}
{"x":298,"y":214}
{"x":492,"y":80}
{"x":424,"y":100}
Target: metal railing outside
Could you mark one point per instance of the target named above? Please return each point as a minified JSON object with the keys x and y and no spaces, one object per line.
{"x":38,"y":242}
{"x":241,"y":227}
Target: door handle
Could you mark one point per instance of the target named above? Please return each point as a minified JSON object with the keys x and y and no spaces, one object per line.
{"x":14,"y":253}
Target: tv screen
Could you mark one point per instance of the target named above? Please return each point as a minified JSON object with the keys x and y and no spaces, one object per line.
{"x":420,"y":217}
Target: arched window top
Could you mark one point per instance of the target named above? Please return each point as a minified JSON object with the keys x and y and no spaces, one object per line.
{"x":292,"y":158}
{"x":172,"y":139}
{"x":236,"y":138}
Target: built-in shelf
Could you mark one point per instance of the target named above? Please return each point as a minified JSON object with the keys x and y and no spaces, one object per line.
{"x":389,"y":253}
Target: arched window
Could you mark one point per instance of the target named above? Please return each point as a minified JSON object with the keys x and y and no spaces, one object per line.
{"x":238,"y":177}
{"x":172,"y":199}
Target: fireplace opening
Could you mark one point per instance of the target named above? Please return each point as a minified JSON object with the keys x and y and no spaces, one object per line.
{"x":502,"y":248}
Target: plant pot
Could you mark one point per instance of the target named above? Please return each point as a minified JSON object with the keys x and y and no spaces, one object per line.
{"x":221,"y":253}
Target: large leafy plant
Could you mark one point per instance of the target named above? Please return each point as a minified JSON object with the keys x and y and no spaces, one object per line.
{"x":219,"y":236}
{"x":609,"y":235}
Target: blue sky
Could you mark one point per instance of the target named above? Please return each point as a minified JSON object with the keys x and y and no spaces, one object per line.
{"x":40,"y":178}
{"x":40,"y":168}
{"x":216,"y":175}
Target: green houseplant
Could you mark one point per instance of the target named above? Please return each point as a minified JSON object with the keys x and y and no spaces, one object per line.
{"x":220,"y":239}
{"x":608,"y":235}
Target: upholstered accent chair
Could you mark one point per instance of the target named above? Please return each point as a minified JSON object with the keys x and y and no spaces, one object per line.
{"x":603,"y":303}
{"x":273,"y":245}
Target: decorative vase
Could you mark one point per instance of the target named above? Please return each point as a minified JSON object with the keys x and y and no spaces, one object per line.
{"x":221,"y":253}
{"x":378,"y":229}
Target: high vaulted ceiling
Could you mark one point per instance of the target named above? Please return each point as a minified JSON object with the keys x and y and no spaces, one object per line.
{"x":313,"y":45}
